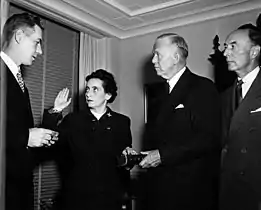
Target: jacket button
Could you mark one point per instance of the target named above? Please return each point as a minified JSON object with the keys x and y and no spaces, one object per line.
{"x":224,"y":150}
{"x":252,"y":129}
{"x":244,"y":150}
{"x":242,"y":173}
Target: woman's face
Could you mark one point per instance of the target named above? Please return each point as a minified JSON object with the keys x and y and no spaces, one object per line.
{"x":96,"y":98}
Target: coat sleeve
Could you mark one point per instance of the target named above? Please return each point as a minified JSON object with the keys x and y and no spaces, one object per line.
{"x":51,"y":120}
{"x":60,"y":150}
{"x":127,"y":133}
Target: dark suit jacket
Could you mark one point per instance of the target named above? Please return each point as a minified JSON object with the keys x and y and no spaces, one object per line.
{"x":89,"y":149}
{"x":19,"y":159}
{"x":241,"y":171}
{"x":188,"y":142}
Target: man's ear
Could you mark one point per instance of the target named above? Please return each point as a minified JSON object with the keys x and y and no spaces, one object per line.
{"x":255,"y":50}
{"x":175,"y":53}
{"x":19,"y":34}
{"x":176,"y":57}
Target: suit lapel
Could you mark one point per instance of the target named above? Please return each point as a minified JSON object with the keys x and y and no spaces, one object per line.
{"x":13,"y":82}
{"x":251,"y":101}
{"x":228,"y":102}
{"x":175,"y":97}
{"x":16,"y":95}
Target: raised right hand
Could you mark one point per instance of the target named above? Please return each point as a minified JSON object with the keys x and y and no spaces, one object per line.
{"x":62,"y":99}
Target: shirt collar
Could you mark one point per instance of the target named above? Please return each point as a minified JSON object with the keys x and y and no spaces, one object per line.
{"x":10,"y":63}
{"x":249,"y":78}
{"x":172,"y":82}
{"x":107,"y":114}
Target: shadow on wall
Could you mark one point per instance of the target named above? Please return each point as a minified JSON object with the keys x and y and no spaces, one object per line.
{"x":223,"y":77}
{"x":152,"y":89}
{"x":149,"y":74}
{"x":150,"y":82}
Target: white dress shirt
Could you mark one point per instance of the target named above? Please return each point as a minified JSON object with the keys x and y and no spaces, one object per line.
{"x":10,"y":63}
{"x":173,"y":81}
{"x":248,"y":80}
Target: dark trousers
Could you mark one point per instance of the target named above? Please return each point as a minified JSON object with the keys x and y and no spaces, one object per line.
{"x":19,"y":195}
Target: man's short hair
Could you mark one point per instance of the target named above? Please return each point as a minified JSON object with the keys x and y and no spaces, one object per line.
{"x":18,"y":21}
{"x":254,"y":33}
{"x":179,"y":41}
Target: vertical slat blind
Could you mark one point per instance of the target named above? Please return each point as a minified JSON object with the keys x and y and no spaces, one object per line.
{"x":50,"y":73}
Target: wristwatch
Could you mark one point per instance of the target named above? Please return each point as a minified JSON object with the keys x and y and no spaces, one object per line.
{"x":54,"y":110}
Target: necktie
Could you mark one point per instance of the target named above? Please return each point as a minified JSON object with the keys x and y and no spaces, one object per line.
{"x":20,"y":80}
{"x":238,"y":93}
{"x":168,"y":87}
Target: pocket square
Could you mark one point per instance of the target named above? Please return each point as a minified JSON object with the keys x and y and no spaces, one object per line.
{"x":256,"y":110}
{"x":179,"y":106}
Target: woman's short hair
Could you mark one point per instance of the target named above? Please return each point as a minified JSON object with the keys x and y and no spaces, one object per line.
{"x":108,"y":82}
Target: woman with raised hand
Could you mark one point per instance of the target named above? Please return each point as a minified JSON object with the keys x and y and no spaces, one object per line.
{"x":90,"y":142}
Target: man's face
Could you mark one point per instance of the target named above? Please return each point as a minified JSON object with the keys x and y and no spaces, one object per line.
{"x":237,"y":51}
{"x":164,"y":58}
{"x":95,"y":95}
{"x":30,"y":45}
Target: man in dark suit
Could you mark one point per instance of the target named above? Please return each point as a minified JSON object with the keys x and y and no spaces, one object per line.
{"x":241,"y":167}
{"x":183,"y":160}
{"x":22,"y":44}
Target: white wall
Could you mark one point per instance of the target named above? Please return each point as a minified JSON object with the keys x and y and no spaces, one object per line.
{"x":113,"y":65}
{"x":134,"y":53}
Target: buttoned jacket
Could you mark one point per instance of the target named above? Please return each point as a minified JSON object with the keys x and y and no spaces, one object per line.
{"x":241,"y":170}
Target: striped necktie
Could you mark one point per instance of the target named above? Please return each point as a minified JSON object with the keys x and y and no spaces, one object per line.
{"x":238,"y":93}
{"x":20,"y":80}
